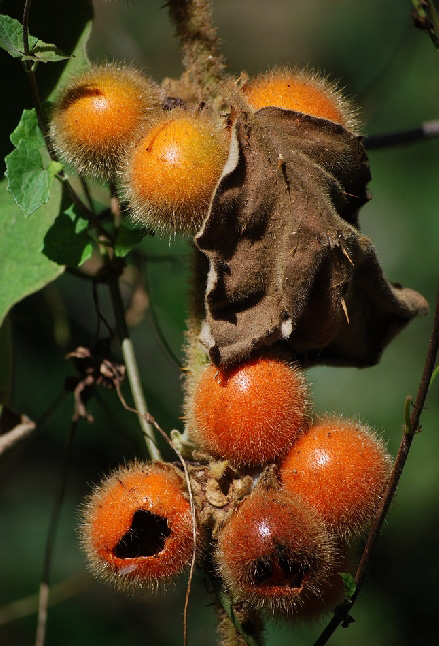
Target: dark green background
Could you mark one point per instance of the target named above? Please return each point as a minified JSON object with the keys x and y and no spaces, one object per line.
{"x":393,"y":71}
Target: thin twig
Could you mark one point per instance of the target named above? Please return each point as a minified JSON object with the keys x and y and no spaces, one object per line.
{"x":404,"y":448}
{"x":50,"y":540}
{"x":150,"y":419}
{"x":131,"y":367}
{"x":427,"y":130}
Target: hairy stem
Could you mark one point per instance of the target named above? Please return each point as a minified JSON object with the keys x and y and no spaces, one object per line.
{"x":132,"y":368}
{"x":202,"y":58}
{"x":406,"y":441}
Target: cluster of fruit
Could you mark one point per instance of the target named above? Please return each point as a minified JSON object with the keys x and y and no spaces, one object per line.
{"x":290,"y":490}
{"x":282,"y":540}
{"x":166,"y":156}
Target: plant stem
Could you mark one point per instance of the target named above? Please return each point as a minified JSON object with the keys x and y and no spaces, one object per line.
{"x":29,"y":67}
{"x":404,"y":448}
{"x":201,"y":54}
{"x":132,"y":368}
{"x":427,"y":130}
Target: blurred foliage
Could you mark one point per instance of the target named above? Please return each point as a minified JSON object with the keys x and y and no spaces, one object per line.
{"x":393,"y":71}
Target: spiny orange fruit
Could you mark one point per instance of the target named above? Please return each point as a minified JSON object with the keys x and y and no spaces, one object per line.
{"x":251,"y":414}
{"x":170,"y":173}
{"x":274,"y":552}
{"x":340,"y":468}
{"x":137,"y":525}
{"x":300,"y":90}
{"x":97,"y":114}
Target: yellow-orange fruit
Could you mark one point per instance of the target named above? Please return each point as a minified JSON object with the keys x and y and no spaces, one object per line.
{"x":170,"y":174}
{"x":340,"y":468}
{"x":251,"y":414}
{"x":302,"y":91}
{"x":137,"y":525}
{"x":275,"y":553}
{"x":97,"y":114}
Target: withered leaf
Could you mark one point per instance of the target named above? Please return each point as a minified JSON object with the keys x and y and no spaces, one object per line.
{"x":288,"y":264}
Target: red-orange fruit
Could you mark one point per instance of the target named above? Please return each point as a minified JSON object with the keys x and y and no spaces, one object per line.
{"x":251,"y":414}
{"x":318,"y":604}
{"x":97,"y":114}
{"x":137,"y":526}
{"x":340,"y":468}
{"x":302,"y":91}
{"x":275,"y":553}
{"x":170,"y":173}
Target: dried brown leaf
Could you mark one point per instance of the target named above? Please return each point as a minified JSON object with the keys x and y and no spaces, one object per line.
{"x":288,"y":264}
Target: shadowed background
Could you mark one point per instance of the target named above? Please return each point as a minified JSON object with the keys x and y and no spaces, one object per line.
{"x":392,"y":70}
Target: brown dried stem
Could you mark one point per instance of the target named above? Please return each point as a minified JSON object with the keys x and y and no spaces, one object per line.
{"x":202,"y":58}
{"x":410,"y":428}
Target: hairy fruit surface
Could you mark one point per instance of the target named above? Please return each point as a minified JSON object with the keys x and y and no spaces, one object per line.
{"x":137,"y":525}
{"x":274,"y":552}
{"x":97,"y":114}
{"x":251,"y":414}
{"x":302,"y":91}
{"x":340,"y":468}
{"x":171,"y":172}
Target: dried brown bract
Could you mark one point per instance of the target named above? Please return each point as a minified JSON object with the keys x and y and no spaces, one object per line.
{"x":288,"y":263}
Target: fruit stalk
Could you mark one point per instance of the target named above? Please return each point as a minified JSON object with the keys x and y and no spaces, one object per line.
{"x":201,"y":54}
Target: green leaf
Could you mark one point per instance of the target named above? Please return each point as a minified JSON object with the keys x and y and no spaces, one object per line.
{"x":28,"y":181}
{"x":23,"y":267}
{"x":28,"y":129}
{"x":67,"y":241}
{"x":70,"y":35}
{"x":349,"y":584}
{"x":11,"y":36}
{"x":28,"y":178}
{"x":11,"y":39}
{"x":46,"y":53}
{"x":127,"y":238}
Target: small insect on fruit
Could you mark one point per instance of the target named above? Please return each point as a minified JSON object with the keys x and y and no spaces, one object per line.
{"x":137,"y":525}
{"x":303,"y":91}
{"x":171,"y":171}
{"x":340,"y":468}
{"x":251,"y":414}
{"x":97,"y":114}
{"x":275,"y":553}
